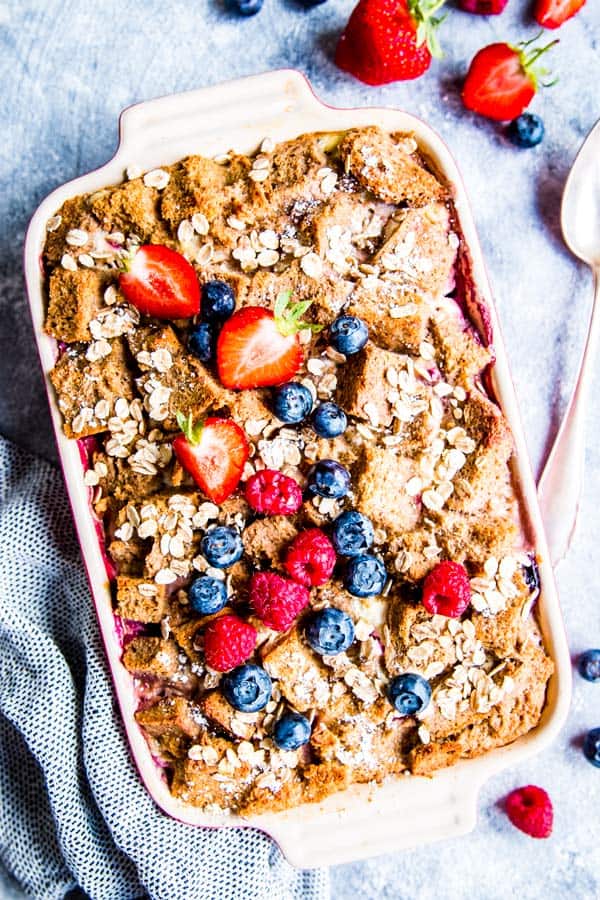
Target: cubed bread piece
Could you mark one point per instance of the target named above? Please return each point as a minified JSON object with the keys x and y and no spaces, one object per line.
{"x":327,"y":293}
{"x":485,"y":477}
{"x":518,"y":712}
{"x":140,"y":600}
{"x":294,"y":168}
{"x":154,"y":346}
{"x":270,"y":794}
{"x":221,"y":714}
{"x":196,"y":185}
{"x":414,"y":553}
{"x":74,"y":300}
{"x":210,"y":779}
{"x":171,"y":715}
{"x":251,"y":410}
{"x":347,"y":228}
{"x":381,"y":493}
{"x":415,"y":641}
{"x":500,"y":630}
{"x":380,"y":164}
{"x":397,"y":318}
{"x":303,"y":679}
{"x":266,"y":540}
{"x":128,"y":556}
{"x":187,"y":387}
{"x":361,"y":385}
{"x":74,"y":213}
{"x":459,"y":352}
{"x":131,"y":208}
{"x":122,"y":482}
{"x":151,"y":657}
{"x":474,"y":538}
{"x":82,"y":385}
{"x":416,"y":249}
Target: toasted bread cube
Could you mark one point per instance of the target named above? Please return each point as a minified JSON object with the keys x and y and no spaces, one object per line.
{"x":397,"y":318}
{"x":380,"y":164}
{"x":303,"y":679}
{"x":381,"y":489}
{"x":172,"y":715}
{"x":151,"y":657}
{"x":192,"y":389}
{"x":360,"y":390}
{"x":266,"y":540}
{"x":140,"y":600}
{"x":74,"y":300}
{"x":460,"y":354}
{"x":222,"y":714}
{"x":129,"y":207}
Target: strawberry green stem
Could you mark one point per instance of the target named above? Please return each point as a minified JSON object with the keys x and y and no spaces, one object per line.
{"x":193,"y":432}
{"x":288,"y":315}
{"x":423,"y":14}
{"x":529,"y":59}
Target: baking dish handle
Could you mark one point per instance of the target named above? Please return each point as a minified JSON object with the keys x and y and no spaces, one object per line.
{"x":146,"y":130}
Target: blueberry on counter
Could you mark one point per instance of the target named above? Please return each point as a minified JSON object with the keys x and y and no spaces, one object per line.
{"x":588,"y":665}
{"x":201,"y":341}
{"x":328,"y":479}
{"x":526,"y":131}
{"x":292,"y":402}
{"x":591,"y":747}
{"x":247,"y":688}
{"x":207,"y":595}
{"x":330,"y":631}
{"x":291,"y":731}
{"x":218,"y":301}
{"x":365,"y":576}
{"x":246,"y":7}
{"x":222,"y":546}
{"x":352,"y":533}
{"x":409,"y":693}
{"x":329,"y":420}
{"x":348,"y":334}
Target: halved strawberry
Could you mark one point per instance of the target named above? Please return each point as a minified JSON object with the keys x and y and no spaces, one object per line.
{"x":160,"y":282}
{"x":258,"y":347}
{"x":552,"y":13}
{"x":501,"y":81}
{"x":214,"y":452}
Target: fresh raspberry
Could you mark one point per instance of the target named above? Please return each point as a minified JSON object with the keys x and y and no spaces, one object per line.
{"x":228,"y":642}
{"x":272,"y":492}
{"x":530,"y":809}
{"x":446,"y":591}
{"x":277,"y":600}
{"x":310,"y":558}
{"x":483,"y":7}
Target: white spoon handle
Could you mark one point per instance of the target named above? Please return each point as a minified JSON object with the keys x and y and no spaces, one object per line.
{"x":561,"y":483}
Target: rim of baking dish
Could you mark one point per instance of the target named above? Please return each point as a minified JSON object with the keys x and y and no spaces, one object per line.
{"x":364,"y":820}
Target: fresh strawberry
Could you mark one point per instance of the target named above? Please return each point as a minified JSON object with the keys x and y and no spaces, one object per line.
{"x":501,"y":80}
{"x":483,"y":7}
{"x":389,"y":40}
{"x":214,"y":452}
{"x":160,"y":282}
{"x":552,"y":13}
{"x":259,"y":347}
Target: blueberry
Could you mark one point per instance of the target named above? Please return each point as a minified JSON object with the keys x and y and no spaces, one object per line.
{"x":247,"y":688}
{"x":348,"y":334}
{"x":247,"y":7}
{"x":222,"y":546}
{"x":292,"y":402}
{"x":589,"y":665}
{"x":291,"y":730}
{"x":410,"y":693}
{"x":207,"y":595}
{"x":329,"y":479}
{"x":365,"y":576}
{"x":329,"y":420}
{"x":352,"y":533}
{"x":591,"y":746}
{"x":526,"y":131}
{"x":218,"y":301}
{"x":330,"y":631}
{"x":531,"y":574}
{"x":202,"y":341}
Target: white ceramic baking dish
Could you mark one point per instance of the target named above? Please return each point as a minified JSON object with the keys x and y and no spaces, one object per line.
{"x":365,"y":820}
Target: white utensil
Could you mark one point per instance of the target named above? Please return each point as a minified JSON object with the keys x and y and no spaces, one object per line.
{"x":560,"y":486}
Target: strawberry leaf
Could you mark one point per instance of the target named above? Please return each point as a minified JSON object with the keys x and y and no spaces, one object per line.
{"x":288,"y":316}
{"x":528,"y":59}
{"x":192,"y":432}
{"x":427,"y":23}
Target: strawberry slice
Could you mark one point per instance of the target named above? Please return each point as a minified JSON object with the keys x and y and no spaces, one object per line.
{"x":258,"y":347}
{"x":214,"y":452}
{"x":160,"y":282}
{"x":552,"y":13}
{"x":502,"y":81}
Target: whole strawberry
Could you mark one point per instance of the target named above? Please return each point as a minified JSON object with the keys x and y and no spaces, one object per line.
{"x":389,"y":40}
{"x":502,"y":81}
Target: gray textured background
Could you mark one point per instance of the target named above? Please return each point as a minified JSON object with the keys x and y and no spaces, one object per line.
{"x":67,"y":69}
